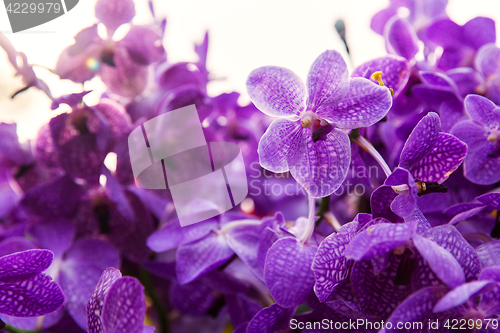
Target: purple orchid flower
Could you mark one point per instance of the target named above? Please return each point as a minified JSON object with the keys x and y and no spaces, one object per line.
{"x":439,"y":255}
{"x":475,"y":302}
{"x":122,"y":65}
{"x":25,"y":291}
{"x":482,"y":135}
{"x":204,"y":246}
{"x":487,"y":64}
{"x":76,"y":268}
{"x":307,"y":140}
{"x":460,"y":43}
{"x":117,"y":305}
{"x":428,"y":158}
{"x":422,"y":13}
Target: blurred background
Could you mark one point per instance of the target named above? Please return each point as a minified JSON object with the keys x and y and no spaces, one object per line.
{"x":243,"y":35}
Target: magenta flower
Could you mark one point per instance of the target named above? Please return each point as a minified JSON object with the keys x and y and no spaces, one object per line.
{"x":308,"y":138}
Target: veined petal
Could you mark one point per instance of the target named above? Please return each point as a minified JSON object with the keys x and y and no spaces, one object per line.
{"x":395,"y":71}
{"x":401,"y":38}
{"x":449,"y":238}
{"x":489,"y":253}
{"x":482,"y":110}
{"x":442,"y":262}
{"x":327,"y":80}
{"x":490,"y":199}
{"x":24,"y":263}
{"x":323,"y":167}
{"x":276,"y":91}
{"x":195,"y":259}
{"x":416,"y":308}
{"x":288,"y":271}
{"x":421,"y":140}
{"x":96,"y":302}
{"x":487,"y":60}
{"x":379,"y":239}
{"x":446,"y":156}
{"x":459,"y":295}
{"x":330,"y":266}
{"x":377,"y":293}
{"x":270,"y":320}
{"x":364,"y":105}
{"x":479,"y":167}
{"x":283,"y":145}
{"x":125,"y":306}
{"x":35,"y":296}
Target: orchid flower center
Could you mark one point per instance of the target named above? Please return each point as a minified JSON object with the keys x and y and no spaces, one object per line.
{"x":308,"y":119}
{"x":494,"y":137}
{"x":377,"y":76}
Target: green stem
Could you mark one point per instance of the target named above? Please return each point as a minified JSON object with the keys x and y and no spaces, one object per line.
{"x":324,"y":207}
{"x":145,"y":278}
{"x":11,"y":329}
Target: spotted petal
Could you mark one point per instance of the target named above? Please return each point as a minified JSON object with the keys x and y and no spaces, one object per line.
{"x":416,"y":308}
{"x":489,"y":253}
{"x":282,"y":146}
{"x":276,"y":91}
{"x":446,"y":156}
{"x":365,"y":104}
{"x":395,"y":71}
{"x":124,"y":308}
{"x":459,"y":295}
{"x":442,"y":262}
{"x":324,"y":166}
{"x":24,"y":263}
{"x":379,"y":239}
{"x":35,"y":296}
{"x":452,"y":240}
{"x":377,"y":293}
{"x":482,"y":110}
{"x":96,"y":302}
{"x":327,"y":80}
{"x":490,"y":199}
{"x":421,"y":140}
{"x":270,"y":320}
{"x":288,"y":271}
{"x":330,"y":266}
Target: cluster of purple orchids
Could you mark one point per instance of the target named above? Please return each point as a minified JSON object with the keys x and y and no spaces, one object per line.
{"x":414,"y":248}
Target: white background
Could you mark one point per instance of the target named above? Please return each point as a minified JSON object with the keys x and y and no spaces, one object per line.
{"x":244,"y":34}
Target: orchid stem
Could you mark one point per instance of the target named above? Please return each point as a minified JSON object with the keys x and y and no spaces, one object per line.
{"x":237,"y":224}
{"x":310,"y":223}
{"x":11,"y":329}
{"x":368,"y":147}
